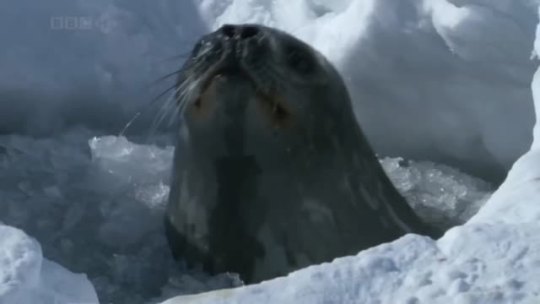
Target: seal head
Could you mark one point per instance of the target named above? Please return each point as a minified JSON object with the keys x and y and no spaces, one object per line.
{"x":271,"y":170}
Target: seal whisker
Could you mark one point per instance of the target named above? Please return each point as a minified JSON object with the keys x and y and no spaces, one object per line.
{"x":142,"y":109}
{"x":164,"y":110}
{"x":165,"y":77}
{"x":175,"y":104}
{"x":187,"y":95}
{"x":129,"y":123}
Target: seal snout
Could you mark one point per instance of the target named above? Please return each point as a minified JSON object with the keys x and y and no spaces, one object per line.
{"x":239,"y":32}
{"x":241,"y":43}
{"x":233,"y":50}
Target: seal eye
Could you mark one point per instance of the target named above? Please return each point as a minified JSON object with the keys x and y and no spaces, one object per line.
{"x":300,"y":61}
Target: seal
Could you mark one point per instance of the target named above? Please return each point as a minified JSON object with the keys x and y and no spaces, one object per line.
{"x":271,"y":170}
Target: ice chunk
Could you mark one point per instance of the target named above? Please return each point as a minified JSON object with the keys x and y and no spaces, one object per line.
{"x":25,"y":277}
{"x":441,"y":195}
{"x":134,"y":180}
{"x":96,"y":205}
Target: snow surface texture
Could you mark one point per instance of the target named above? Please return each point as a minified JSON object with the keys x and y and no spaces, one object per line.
{"x":438,"y":80}
{"x":25,"y":277}
{"x":476,"y":264}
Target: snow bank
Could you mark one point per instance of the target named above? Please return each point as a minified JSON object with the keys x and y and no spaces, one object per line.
{"x":517,"y":199}
{"x":412,"y":269}
{"x":439,"y":80}
{"x":25,"y":277}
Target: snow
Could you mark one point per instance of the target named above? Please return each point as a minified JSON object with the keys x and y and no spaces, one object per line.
{"x":413,"y":269}
{"x":26,"y":277}
{"x":475,"y":116}
{"x":432,"y":81}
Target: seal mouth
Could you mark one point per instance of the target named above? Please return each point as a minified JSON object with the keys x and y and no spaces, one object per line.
{"x":229,"y":68}
{"x":219,"y":72}
{"x":272,"y":104}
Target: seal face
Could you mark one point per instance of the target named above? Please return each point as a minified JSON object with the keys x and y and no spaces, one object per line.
{"x":271,"y":170}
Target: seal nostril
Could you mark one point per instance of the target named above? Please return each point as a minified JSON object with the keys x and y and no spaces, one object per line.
{"x":228,"y":30}
{"x":248,"y":32}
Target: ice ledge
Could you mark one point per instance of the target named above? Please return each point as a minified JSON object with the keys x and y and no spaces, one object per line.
{"x":475,"y":263}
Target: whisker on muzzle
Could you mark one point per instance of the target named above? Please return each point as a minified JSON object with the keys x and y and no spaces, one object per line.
{"x":144,"y":108}
{"x":175,"y":104}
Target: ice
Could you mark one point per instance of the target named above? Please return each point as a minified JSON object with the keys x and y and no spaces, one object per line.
{"x":25,"y":277}
{"x":441,"y":195}
{"x":99,"y":203}
{"x":96,"y":206}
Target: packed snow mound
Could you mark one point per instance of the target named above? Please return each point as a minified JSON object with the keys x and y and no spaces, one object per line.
{"x":440,"y":80}
{"x":412,"y":269}
{"x":25,"y":277}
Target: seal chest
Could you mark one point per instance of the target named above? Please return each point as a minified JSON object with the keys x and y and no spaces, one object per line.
{"x":272,"y":172}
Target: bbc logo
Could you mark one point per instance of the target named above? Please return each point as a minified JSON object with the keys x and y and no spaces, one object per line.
{"x":79,"y":23}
